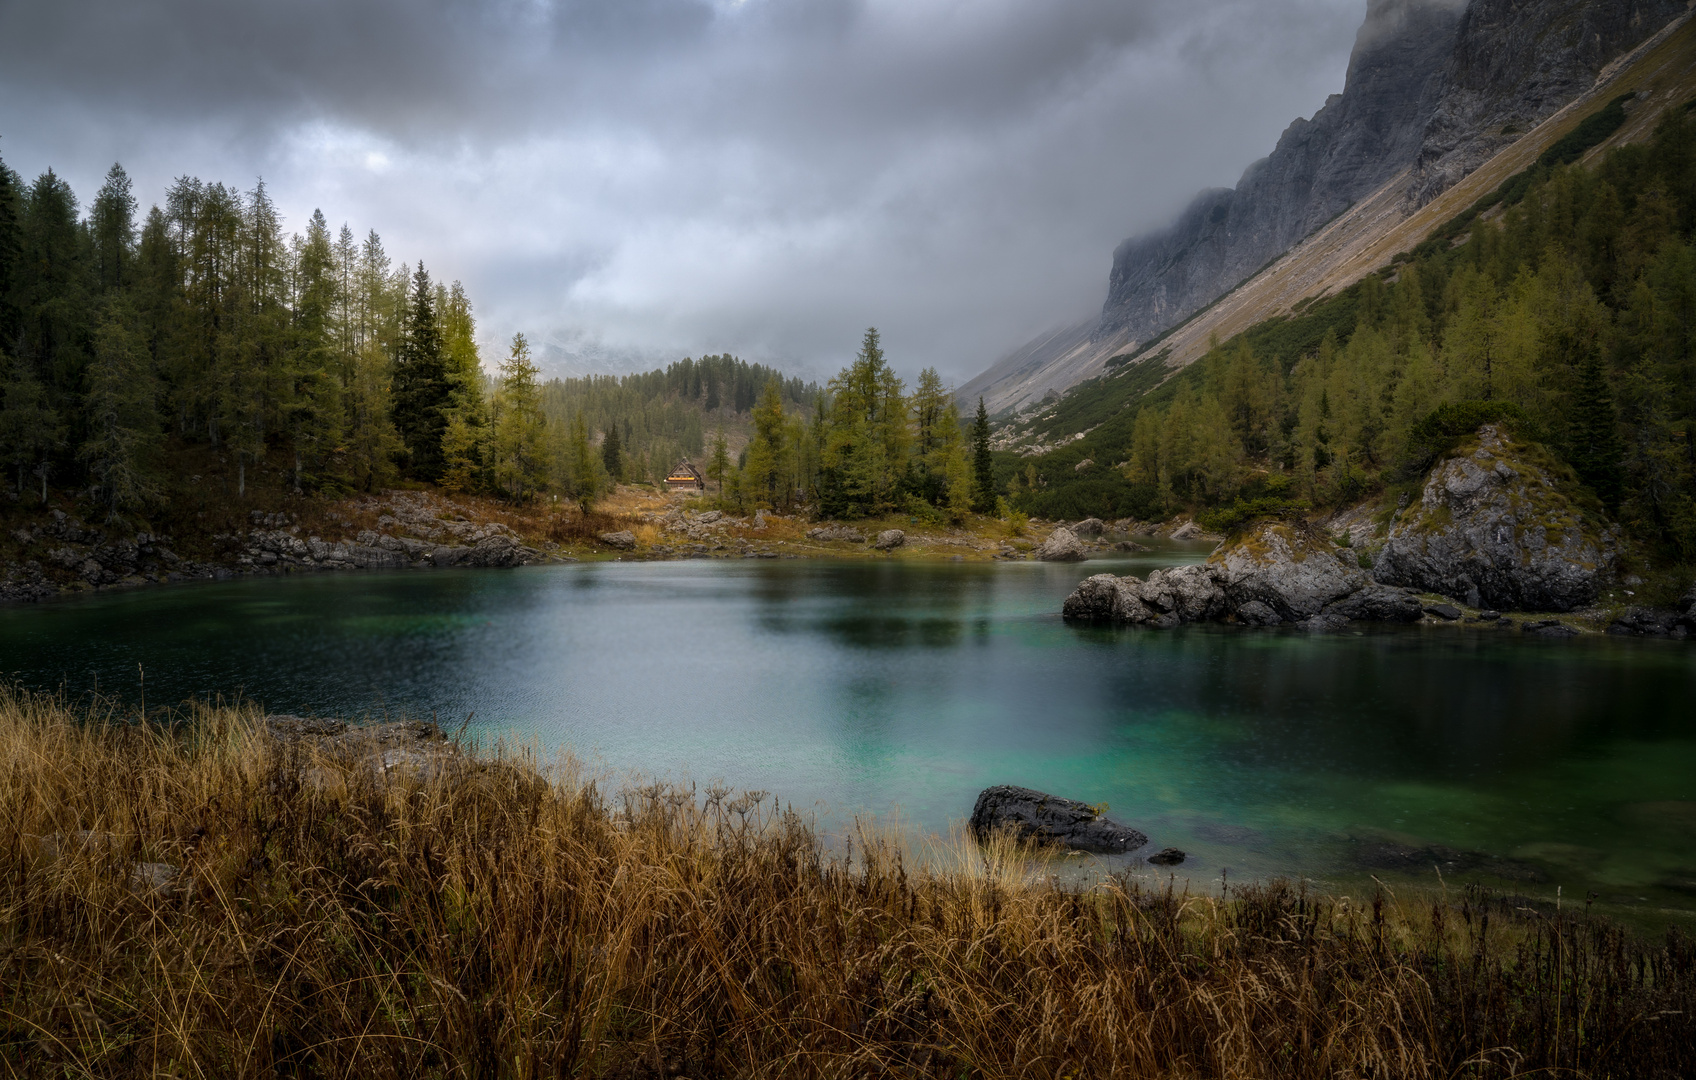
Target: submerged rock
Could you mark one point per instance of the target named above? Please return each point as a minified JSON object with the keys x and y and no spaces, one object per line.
{"x":1167,"y":857}
{"x":1036,"y":815}
{"x":1061,"y":546}
{"x":1500,"y":525}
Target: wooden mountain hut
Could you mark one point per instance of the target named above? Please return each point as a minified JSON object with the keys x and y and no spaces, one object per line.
{"x":685,"y":477}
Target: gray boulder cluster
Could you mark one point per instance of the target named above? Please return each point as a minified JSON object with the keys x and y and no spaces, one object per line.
{"x":1277,"y":574}
{"x":415,"y":532}
{"x":95,"y":557}
{"x":1492,"y":527}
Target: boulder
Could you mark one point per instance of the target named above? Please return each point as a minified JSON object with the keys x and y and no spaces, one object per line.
{"x":1129,"y":545}
{"x":1090,"y":528}
{"x":1273,"y":574}
{"x":1167,"y":857}
{"x":1443,"y":611}
{"x":1648,"y":622}
{"x":496,"y":551}
{"x":1038,"y":816}
{"x":1061,"y":546}
{"x":623,"y":539}
{"x":1547,"y":628}
{"x":450,"y":555}
{"x":1499,"y":525}
{"x":1288,"y":569}
{"x":1189,"y":530}
{"x":890,"y":539}
{"x":709,"y":517}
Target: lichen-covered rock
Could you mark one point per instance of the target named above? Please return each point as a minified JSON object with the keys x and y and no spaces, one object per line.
{"x":890,"y":539}
{"x":1062,"y":546}
{"x":1036,"y":815}
{"x":1287,"y":569}
{"x":1273,"y":574}
{"x":1500,"y":525}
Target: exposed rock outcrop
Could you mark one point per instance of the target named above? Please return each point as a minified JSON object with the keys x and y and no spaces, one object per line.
{"x":1500,"y":525}
{"x":1036,"y":815}
{"x":1354,"y":144}
{"x":1062,"y":546}
{"x":1514,"y":64}
{"x":837,"y":532}
{"x":1276,"y":573}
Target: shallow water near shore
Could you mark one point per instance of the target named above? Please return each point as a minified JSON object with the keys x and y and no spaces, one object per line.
{"x":884,"y":686}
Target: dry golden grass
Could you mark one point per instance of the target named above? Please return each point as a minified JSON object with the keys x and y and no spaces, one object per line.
{"x":502,"y":920}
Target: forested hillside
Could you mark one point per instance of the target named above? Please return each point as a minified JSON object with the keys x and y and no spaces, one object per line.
{"x":655,"y":418}
{"x":1566,"y":300}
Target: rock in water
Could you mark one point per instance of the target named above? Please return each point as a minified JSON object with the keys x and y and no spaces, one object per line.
{"x":1167,"y":857}
{"x":1495,"y":528}
{"x":1036,"y":815}
{"x":1061,"y":546}
{"x":890,"y":539}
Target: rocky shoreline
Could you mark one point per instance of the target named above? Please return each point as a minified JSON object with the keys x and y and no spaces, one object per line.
{"x":1496,"y":528}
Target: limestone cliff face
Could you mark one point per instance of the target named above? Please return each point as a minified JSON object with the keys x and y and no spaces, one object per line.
{"x":1359,"y":140}
{"x":1515,"y":63}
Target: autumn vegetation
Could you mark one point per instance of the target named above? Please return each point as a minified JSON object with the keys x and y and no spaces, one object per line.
{"x":185,"y":897}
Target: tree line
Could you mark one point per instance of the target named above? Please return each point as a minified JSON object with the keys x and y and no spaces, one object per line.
{"x":125,"y":337}
{"x":865,"y":447}
{"x":1567,"y":299}
{"x":648,"y":422}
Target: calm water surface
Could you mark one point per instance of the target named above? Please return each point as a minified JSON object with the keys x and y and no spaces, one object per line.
{"x":872,"y":686}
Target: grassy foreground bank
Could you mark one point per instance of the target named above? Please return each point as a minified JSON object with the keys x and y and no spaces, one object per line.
{"x":201,"y":900}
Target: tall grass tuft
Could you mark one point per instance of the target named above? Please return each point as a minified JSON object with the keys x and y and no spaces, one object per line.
{"x":310,"y":915}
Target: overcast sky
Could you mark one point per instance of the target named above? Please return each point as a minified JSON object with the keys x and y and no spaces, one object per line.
{"x":631,"y":181}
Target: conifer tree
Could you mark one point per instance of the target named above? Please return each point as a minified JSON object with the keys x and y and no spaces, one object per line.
{"x":112,"y":228}
{"x":123,"y":418}
{"x":1597,"y":451}
{"x":421,"y":389}
{"x":718,"y":466}
{"x":611,"y":457}
{"x":30,"y":428}
{"x":519,"y":426}
{"x":11,"y":259}
{"x":983,"y":463}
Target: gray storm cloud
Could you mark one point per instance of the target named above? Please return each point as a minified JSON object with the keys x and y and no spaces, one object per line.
{"x":638,"y":179}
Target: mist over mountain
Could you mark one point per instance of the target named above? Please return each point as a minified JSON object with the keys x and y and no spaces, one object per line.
{"x":1434,"y":89}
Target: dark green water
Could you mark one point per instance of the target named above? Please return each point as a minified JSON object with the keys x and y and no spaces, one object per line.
{"x":869,"y":686}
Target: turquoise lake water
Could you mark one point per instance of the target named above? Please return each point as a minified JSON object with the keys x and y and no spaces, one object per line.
{"x":884,"y":686}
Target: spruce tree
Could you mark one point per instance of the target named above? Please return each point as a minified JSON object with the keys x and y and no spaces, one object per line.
{"x":11,"y":259}
{"x":611,"y":456}
{"x":421,"y":389}
{"x":112,"y":227}
{"x":1597,"y":451}
{"x":983,"y":465}
{"x":519,"y":426}
{"x":122,"y":415}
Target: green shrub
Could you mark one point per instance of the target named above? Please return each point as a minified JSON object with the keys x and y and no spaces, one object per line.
{"x":1446,"y":425}
{"x":1235,"y":518}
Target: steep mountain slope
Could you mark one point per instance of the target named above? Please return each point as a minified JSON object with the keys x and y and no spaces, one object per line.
{"x":1036,"y":368}
{"x":1434,"y":91}
{"x":1320,"y":168}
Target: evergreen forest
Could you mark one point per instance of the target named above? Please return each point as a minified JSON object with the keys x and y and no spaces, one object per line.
{"x":1563,"y":304}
